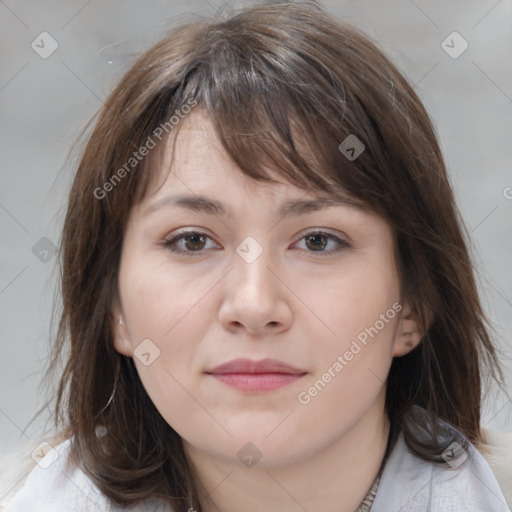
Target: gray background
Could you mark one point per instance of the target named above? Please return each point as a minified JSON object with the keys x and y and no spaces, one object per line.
{"x":45,"y":103}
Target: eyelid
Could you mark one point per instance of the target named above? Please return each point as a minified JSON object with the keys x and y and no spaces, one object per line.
{"x":176,"y":236}
{"x":342,"y":241}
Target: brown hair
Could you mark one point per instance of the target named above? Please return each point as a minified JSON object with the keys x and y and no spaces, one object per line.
{"x":268,"y":77}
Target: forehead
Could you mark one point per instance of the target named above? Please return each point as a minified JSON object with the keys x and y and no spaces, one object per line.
{"x":193,"y":159}
{"x":200,"y":177}
{"x":193,"y":169}
{"x":197,"y":152}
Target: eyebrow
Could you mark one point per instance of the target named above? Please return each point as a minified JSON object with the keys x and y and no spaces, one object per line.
{"x":199,"y":203}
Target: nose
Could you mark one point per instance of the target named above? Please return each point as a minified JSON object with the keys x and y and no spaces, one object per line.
{"x":256,"y":299}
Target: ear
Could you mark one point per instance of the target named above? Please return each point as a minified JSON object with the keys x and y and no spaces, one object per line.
{"x":408,"y":336}
{"x":120,"y":334}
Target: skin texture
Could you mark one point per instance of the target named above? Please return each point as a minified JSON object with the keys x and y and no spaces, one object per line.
{"x":295,"y":302}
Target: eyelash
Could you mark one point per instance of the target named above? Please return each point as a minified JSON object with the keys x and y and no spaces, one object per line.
{"x":169,"y":244}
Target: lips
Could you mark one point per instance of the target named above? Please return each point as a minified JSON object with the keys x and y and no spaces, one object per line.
{"x":256,"y":376}
{"x":250,"y":366}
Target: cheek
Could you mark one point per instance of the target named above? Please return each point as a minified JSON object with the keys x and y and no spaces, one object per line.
{"x":159,"y":300}
{"x":362,"y":311}
{"x":358,"y":305}
{"x":352,"y":365}
{"x":164,"y":309}
{"x":169,"y":309}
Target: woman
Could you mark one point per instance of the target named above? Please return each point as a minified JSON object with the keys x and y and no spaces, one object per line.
{"x":267,"y":293}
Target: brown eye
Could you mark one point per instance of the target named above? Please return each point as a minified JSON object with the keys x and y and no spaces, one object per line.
{"x":194,"y":242}
{"x":191,"y":243}
{"x":317,"y":241}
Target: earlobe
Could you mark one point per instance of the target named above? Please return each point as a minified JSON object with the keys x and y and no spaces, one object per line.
{"x":408,"y":335}
{"x":120,"y":335}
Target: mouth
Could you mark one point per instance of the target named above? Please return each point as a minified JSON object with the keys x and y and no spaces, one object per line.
{"x":256,"y":376}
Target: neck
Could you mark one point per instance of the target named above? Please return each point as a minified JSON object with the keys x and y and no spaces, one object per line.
{"x":336,"y":479}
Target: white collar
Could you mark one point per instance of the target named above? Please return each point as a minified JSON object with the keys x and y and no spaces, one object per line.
{"x":407,"y":484}
{"x":410,"y":484}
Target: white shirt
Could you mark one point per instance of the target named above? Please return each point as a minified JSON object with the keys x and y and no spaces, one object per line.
{"x":407,"y":484}
{"x":52,"y":486}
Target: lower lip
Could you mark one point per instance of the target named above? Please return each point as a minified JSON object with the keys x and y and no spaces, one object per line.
{"x":256,"y":381}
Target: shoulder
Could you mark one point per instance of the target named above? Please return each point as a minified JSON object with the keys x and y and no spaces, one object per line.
{"x":497,"y":451}
{"x":471,"y":479}
{"x":54,"y":484}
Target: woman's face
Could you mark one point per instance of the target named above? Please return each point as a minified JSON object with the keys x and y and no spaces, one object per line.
{"x":240,"y":279}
